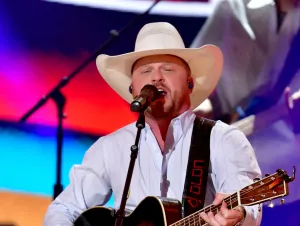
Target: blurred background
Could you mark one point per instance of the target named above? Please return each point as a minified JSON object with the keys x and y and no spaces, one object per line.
{"x":43,"y":41}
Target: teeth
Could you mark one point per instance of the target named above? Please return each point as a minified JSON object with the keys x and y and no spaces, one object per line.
{"x":162,"y":92}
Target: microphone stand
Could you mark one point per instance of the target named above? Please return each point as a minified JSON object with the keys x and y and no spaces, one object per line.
{"x":120,"y":214}
{"x":60,"y":100}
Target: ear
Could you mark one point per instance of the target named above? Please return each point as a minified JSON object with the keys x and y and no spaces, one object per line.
{"x":190,"y":83}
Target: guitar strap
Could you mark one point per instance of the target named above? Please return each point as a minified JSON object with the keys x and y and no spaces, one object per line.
{"x":197,"y":169}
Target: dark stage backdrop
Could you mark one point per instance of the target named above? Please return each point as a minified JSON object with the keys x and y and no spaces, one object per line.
{"x":41,"y":42}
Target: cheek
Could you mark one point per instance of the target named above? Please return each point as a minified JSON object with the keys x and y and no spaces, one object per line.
{"x":180,"y":90}
{"x":137,"y":85}
{"x":179,"y":86}
{"x":136,"y":90}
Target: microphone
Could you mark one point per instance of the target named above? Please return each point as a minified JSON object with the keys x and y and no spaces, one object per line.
{"x":148,"y":94}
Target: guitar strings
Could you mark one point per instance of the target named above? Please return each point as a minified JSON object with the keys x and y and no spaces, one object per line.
{"x":196,"y":218}
{"x":193,"y":217}
{"x":232,"y":199}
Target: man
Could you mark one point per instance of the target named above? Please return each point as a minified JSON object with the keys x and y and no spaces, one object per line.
{"x":260,"y":40}
{"x":186,"y":77}
{"x":255,"y":37}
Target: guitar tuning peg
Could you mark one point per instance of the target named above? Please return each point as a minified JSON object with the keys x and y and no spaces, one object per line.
{"x":256,"y":179}
{"x":266,"y":175}
{"x":282,"y":201}
{"x":271,"y":204}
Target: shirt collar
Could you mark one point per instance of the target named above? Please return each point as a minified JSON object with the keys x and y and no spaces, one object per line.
{"x":185,"y":120}
{"x":180,"y":124}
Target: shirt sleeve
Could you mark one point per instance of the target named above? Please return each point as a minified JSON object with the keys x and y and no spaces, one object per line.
{"x":234,"y":166}
{"x":214,"y":31}
{"x":89,"y":186}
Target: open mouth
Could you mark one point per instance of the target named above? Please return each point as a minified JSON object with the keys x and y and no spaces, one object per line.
{"x":162,"y":93}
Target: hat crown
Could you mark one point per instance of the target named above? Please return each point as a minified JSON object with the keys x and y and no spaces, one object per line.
{"x":158,"y":35}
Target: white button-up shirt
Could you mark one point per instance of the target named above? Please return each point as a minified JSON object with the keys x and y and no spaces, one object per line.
{"x":104,"y":168}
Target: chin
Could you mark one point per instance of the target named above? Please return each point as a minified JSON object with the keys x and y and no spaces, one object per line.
{"x":160,"y":110}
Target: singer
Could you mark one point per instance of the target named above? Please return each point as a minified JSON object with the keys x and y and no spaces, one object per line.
{"x":170,"y":154}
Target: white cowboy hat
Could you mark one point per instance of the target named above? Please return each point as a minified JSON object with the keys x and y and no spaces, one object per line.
{"x":205,"y":62}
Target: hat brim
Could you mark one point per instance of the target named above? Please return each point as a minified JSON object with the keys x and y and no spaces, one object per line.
{"x":205,"y":63}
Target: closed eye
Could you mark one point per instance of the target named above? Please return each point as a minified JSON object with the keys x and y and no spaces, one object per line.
{"x":145,"y":71}
{"x":168,"y":69}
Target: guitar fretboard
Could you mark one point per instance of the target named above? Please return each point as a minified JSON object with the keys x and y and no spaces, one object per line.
{"x":195,"y":219}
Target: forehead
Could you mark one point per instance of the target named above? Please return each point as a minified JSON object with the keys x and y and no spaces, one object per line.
{"x":168,"y":59}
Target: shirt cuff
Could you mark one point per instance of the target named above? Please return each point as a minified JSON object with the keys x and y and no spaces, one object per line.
{"x":253,"y":216}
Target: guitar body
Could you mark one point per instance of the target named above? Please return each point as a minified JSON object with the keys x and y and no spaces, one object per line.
{"x":152,"y":211}
{"x":157,"y":211}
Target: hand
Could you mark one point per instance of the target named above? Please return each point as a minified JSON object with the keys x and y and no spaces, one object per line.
{"x":224,"y":217}
{"x":293,"y":104}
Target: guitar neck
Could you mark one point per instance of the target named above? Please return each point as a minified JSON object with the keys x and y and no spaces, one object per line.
{"x":232,"y":201}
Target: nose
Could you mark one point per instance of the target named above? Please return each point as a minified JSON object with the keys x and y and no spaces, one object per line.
{"x":157,"y":77}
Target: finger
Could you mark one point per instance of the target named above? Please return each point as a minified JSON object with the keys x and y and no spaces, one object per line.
{"x":212,"y":219}
{"x":221,"y":219}
{"x":287,"y":91}
{"x":204,"y":216}
{"x":288,"y":102}
{"x":224,"y":222}
{"x":219,"y":198}
{"x":224,"y":210}
{"x":232,"y":214}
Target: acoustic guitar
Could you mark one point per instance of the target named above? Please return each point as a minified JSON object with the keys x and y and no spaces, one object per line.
{"x":158,"y":211}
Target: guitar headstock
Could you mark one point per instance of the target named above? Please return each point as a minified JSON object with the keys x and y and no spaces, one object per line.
{"x":271,"y":187}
